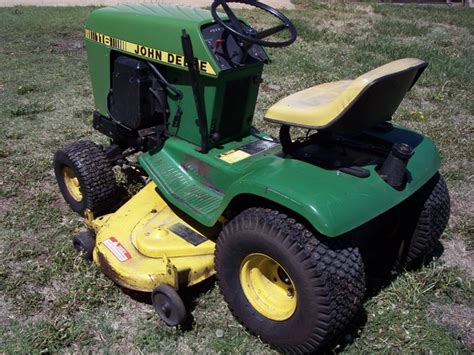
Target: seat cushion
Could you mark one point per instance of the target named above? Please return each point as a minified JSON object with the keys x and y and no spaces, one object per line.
{"x":321,"y":106}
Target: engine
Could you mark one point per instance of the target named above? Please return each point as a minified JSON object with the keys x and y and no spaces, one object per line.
{"x":137,"y":105}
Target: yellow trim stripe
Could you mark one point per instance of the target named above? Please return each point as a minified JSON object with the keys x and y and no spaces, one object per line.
{"x":146,"y":52}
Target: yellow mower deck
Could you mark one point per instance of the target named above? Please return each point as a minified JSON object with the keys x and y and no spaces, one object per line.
{"x":145,"y":244}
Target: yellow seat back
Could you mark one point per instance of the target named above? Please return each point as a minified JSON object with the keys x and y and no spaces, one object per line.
{"x":350,"y":106}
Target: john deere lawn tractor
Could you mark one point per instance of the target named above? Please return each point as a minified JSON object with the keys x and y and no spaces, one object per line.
{"x":291,"y":225}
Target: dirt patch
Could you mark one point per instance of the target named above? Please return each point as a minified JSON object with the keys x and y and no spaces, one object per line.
{"x":462,"y":198}
{"x":53,"y":291}
{"x":128,"y":320}
{"x":458,"y":318}
{"x":460,"y":246}
{"x":456,"y":255}
{"x":444,"y":29}
{"x":7,"y":205}
{"x":6,"y":315}
{"x":69,"y":42}
{"x":347,"y":24}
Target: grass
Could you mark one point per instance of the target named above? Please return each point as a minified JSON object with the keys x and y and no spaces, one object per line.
{"x":52,"y":300}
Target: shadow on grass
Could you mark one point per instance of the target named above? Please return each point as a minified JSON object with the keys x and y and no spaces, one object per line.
{"x":190,"y":296}
{"x":377,"y":279}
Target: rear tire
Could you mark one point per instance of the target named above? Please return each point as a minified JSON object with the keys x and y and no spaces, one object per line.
{"x":262,"y":251}
{"x":434,"y":202}
{"x":85,"y":178}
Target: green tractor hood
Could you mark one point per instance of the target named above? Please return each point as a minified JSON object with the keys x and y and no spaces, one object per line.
{"x":152,"y":32}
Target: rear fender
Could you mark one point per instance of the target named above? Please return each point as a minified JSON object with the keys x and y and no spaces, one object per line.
{"x":331,"y":201}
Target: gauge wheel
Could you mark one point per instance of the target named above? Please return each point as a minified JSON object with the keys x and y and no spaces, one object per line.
{"x":284,"y":284}
{"x":85,"y":178}
{"x":84,"y":243}
{"x":169,"y":305}
{"x":433,"y":214}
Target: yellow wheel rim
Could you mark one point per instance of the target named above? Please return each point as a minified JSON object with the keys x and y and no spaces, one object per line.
{"x":268,"y":287}
{"x":72,"y":184}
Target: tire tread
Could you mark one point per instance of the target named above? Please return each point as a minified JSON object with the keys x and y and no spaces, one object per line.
{"x":433,"y":219}
{"x":98,"y":183}
{"x":340,"y":292}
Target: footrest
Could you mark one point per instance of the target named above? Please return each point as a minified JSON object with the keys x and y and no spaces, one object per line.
{"x":180,"y":187}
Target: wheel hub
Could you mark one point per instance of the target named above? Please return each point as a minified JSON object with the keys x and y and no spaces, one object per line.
{"x":166,"y":309}
{"x":72,"y":183}
{"x":268,"y":287}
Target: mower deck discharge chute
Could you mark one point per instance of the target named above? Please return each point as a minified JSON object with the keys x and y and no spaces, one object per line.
{"x":290,"y":226}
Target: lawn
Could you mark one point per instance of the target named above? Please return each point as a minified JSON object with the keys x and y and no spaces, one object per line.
{"x":52,"y":300}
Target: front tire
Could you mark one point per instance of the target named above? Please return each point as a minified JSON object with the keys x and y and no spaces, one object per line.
{"x":85,"y":178}
{"x":283,"y":284}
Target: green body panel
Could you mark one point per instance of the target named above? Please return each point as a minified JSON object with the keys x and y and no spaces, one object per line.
{"x":333,"y":202}
{"x":160,"y":27}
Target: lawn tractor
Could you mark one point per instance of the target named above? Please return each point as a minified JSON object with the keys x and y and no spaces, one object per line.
{"x":289,"y":225}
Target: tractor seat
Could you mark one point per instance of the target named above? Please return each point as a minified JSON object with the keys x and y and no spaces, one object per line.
{"x":350,"y":106}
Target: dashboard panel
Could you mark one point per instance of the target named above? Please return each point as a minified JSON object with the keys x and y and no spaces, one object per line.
{"x":227,"y":51}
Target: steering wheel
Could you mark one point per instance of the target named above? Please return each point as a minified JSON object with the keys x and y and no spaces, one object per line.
{"x":249,"y":34}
